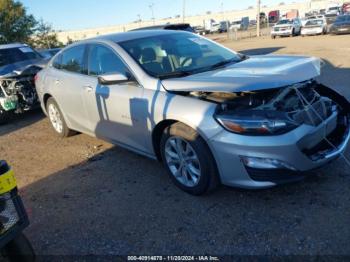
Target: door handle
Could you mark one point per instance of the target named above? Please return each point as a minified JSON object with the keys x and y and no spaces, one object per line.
{"x":88,"y":89}
{"x":57,"y":81}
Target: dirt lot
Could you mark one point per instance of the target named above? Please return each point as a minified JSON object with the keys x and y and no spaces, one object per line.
{"x":85,"y":196}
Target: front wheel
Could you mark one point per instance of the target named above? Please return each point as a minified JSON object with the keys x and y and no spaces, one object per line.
{"x":188,"y":160}
{"x":293,"y":33}
{"x":4,"y":116}
{"x":57,"y":120}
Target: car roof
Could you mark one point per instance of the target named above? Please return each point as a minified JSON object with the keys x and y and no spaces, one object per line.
{"x":180,"y":25}
{"x":132,"y":35}
{"x":14,"y":45}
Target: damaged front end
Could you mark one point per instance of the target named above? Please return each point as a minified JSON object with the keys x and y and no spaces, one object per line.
{"x":275,"y":112}
{"x":17,"y":91}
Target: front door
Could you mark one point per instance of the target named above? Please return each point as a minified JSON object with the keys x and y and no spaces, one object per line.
{"x":116,"y":112}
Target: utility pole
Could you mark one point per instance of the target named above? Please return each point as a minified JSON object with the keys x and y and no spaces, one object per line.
{"x":183,"y":11}
{"x":258,"y":2}
{"x":151,"y":7}
{"x":139,"y":16}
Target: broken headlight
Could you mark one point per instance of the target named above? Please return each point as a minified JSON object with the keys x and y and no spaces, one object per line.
{"x":256,"y":122}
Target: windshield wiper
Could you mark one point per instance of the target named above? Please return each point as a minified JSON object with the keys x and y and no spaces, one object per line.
{"x":223,"y":63}
{"x":174,"y":74}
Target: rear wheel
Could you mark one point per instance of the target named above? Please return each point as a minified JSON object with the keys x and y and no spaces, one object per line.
{"x":57,"y":120}
{"x":188,"y":160}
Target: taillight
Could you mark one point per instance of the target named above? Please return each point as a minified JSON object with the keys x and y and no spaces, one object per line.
{"x":36,"y":78}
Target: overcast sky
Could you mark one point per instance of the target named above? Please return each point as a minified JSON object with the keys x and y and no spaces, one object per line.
{"x":79,"y":14}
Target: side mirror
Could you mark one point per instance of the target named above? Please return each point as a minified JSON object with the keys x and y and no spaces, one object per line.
{"x":112,"y":79}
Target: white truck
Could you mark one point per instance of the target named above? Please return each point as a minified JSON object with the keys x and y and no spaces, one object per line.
{"x":211,"y":26}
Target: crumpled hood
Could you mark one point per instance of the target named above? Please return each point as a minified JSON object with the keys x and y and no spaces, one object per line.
{"x":17,"y":68}
{"x":255,"y":73}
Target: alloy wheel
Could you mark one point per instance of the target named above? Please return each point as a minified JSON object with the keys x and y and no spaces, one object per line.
{"x":55,"y":118}
{"x":182,"y":161}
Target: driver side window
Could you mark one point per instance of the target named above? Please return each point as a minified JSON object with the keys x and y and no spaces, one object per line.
{"x":102,"y":60}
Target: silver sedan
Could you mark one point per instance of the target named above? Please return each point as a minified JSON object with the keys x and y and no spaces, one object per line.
{"x":210,"y":114}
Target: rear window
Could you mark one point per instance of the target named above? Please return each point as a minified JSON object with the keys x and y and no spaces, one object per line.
{"x":15,"y":55}
{"x":284,"y":22}
{"x":314,"y":22}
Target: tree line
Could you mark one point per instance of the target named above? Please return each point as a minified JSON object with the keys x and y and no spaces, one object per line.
{"x":17,"y":26}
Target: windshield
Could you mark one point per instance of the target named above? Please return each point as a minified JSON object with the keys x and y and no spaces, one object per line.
{"x":284,"y":22}
{"x":314,"y":22}
{"x":19,"y":54}
{"x":178,"y":54}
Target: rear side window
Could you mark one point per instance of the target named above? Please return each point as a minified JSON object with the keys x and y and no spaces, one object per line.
{"x":103,"y":60}
{"x":72,"y":60}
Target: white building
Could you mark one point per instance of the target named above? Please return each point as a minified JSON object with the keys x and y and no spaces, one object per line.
{"x":303,"y":7}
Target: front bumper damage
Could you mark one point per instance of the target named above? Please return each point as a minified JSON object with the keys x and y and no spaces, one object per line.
{"x":296,"y":153}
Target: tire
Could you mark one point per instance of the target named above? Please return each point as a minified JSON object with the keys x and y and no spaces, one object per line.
{"x":4,"y":117}
{"x":19,"y":250}
{"x":293,"y":33}
{"x":207,"y":178}
{"x":59,"y":124}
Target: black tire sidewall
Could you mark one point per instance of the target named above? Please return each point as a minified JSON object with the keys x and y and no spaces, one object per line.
{"x":208,"y":179}
{"x":4,"y":116}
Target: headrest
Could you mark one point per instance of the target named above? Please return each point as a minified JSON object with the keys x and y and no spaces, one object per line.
{"x":148,"y":55}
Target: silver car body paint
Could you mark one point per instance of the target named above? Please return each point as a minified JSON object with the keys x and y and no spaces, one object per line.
{"x":127,"y":114}
{"x":255,"y":73}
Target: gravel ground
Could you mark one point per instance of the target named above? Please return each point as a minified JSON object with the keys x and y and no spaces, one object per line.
{"x":85,"y":196}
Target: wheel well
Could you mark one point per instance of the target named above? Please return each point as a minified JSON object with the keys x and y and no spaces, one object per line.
{"x":46,"y":97}
{"x":157,"y":135}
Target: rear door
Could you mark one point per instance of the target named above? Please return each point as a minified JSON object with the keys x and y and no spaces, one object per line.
{"x":66,"y":80}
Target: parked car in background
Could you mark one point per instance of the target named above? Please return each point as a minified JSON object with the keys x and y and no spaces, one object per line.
{"x":210,"y":114}
{"x":287,"y":27}
{"x":19,"y":63}
{"x":224,"y":25}
{"x":330,"y":18}
{"x":311,"y":17}
{"x":333,"y":9}
{"x":322,"y":11}
{"x":274,"y":16}
{"x":341,"y":25}
{"x":236,"y":25}
{"x":199,"y":30}
{"x":211,"y":26}
{"x":314,"y":27}
{"x":48,"y":53}
{"x":180,"y":27}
